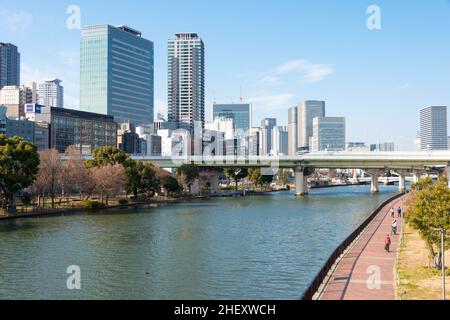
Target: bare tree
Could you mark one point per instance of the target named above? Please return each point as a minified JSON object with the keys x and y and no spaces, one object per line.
{"x":109,"y":180}
{"x":76,"y":175}
{"x":50,"y":167}
{"x":39,"y":186}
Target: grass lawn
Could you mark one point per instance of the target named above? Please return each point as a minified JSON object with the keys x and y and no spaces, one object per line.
{"x":417,"y":280}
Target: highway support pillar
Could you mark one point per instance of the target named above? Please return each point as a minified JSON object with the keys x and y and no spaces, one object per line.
{"x":355,"y":177}
{"x":401,"y":182}
{"x":301,"y":187}
{"x":374,"y":185}
{"x":416,"y":176}
{"x":214,"y":183}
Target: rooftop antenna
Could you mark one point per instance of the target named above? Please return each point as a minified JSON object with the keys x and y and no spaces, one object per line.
{"x":214,"y":97}
{"x":241,"y":97}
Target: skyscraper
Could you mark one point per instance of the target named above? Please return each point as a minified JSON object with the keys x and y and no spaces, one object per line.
{"x":9,"y":65}
{"x":433,"y":128}
{"x":328,"y":134}
{"x":51,"y":93}
{"x":267,"y":125}
{"x":117,"y":74}
{"x":240,"y":113}
{"x":279,"y":141}
{"x":186,"y":80}
{"x":307,"y":111}
{"x":292,"y":131}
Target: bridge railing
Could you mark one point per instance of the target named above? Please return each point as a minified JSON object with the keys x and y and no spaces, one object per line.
{"x":315,"y":284}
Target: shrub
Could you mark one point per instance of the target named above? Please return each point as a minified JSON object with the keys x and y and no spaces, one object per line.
{"x":123,"y":202}
{"x":90,"y":204}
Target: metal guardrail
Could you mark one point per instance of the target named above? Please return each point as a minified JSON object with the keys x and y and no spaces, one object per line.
{"x":314,"y":286}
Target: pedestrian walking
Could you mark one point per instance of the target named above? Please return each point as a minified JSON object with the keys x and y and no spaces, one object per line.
{"x":399,"y":212}
{"x":394,"y":226}
{"x":392,"y":212}
{"x":387,"y":243}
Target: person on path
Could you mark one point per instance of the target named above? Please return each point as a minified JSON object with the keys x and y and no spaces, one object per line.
{"x":394,"y":226}
{"x":399,"y":212}
{"x":392,"y":212}
{"x":387,"y":243}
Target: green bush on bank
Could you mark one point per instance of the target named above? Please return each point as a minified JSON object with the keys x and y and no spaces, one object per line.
{"x":91,"y":204}
{"x":123,"y":202}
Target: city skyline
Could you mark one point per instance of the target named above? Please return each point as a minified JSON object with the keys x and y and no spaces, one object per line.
{"x":361,"y":74}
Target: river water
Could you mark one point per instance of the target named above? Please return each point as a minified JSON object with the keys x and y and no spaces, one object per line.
{"x":257,"y":247}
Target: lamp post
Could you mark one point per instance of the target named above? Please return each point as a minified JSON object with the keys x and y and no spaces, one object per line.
{"x":442,"y":232}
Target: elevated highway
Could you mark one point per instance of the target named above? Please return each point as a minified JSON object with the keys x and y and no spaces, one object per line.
{"x":375,"y":163}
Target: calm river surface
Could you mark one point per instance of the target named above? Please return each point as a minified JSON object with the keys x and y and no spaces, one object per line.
{"x":260,"y":247}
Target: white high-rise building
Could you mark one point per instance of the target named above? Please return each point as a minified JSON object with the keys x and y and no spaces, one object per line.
{"x":14,"y":98}
{"x":433,"y":128}
{"x":222,"y":124}
{"x":292,"y":131}
{"x":266,"y":143}
{"x":51,"y":93}
{"x":186,"y":80}
{"x":328,"y":134}
{"x":280,"y":141}
{"x":307,"y":111}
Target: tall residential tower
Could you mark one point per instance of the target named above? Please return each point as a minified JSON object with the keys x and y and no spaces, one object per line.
{"x":186,"y":80}
{"x":51,"y":93}
{"x":433,"y":128}
{"x":117,"y":74}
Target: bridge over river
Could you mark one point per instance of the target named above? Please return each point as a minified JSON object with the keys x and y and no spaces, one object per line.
{"x":402,"y":164}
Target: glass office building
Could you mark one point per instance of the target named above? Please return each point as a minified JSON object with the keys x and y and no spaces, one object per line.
{"x":306,"y":112}
{"x":9,"y":65}
{"x":240,"y":113}
{"x":117,"y":76}
{"x":84,"y":130}
{"x":328,"y":134}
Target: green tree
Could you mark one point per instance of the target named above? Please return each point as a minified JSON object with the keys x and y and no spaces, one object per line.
{"x":266,"y":180}
{"x":149,"y":181}
{"x":188,"y":173}
{"x":422,"y":184}
{"x":171,"y":185}
{"x":26,"y":199}
{"x":108,"y":155}
{"x":429,"y":210}
{"x":235,"y":174}
{"x":282,"y":177}
{"x":19,"y":162}
{"x":254,"y":175}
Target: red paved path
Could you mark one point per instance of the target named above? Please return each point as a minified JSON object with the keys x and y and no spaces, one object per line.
{"x":355,"y":275}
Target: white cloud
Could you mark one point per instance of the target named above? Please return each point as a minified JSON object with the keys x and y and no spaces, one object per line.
{"x":307,"y":71}
{"x":15,"y":21}
{"x":270,"y":79}
{"x":291,"y":66}
{"x":281,"y":100}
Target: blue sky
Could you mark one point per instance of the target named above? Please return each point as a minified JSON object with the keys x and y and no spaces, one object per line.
{"x":279,"y":52}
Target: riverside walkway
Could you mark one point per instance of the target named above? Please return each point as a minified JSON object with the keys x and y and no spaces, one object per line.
{"x":366,"y":270}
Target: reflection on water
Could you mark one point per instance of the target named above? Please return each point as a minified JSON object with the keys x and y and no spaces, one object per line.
{"x":261,"y":247}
